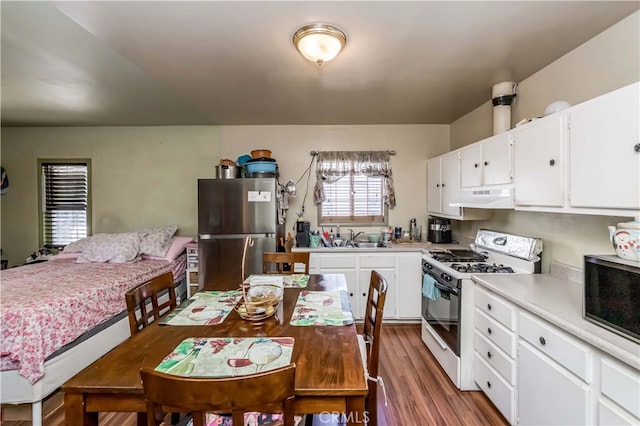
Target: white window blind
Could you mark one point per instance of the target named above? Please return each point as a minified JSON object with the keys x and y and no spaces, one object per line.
{"x":65,"y":202}
{"x":353,"y":199}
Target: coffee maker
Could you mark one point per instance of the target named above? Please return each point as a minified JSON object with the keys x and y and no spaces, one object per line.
{"x":303,"y":229}
{"x":439,"y":230}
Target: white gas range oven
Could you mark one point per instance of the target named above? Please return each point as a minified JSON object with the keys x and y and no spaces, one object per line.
{"x":448,"y":294}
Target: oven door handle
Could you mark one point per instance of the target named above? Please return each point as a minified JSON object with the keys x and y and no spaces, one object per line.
{"x":448,"y":289}
{"x":437,"y":338}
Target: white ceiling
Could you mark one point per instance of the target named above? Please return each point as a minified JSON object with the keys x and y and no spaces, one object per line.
{"x":88,"y":63}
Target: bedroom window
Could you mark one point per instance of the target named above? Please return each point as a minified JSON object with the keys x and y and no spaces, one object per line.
{"x":64,"y":201}
{"x":354,"y":187}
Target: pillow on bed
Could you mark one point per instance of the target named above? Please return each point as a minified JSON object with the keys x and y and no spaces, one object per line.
{"x":65,"y":256}
{"x":156,"y":241}
{"x":178,"y":245}
{"x":114,"y":248}
{"x":77,"y":246}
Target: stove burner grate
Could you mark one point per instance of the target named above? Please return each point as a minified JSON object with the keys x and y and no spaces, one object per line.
{"x":482,"y":268}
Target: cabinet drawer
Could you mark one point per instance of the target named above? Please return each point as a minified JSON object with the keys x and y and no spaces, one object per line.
{"x":496,"y":333}
{"x":557,"y":345}
{"x":378,"y":261}
{"x":337,"y":261}
{"x":622,"y":385}
{"x":495,"y":357}
{"x":496,"y":308}
{"x":610,"y":415}
{"x":496,"y":388}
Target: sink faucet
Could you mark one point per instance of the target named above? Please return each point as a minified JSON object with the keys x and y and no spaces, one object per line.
{"x":353,"y":235}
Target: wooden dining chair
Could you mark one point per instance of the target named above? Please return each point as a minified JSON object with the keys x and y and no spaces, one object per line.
{"x":369,"y":342}
{"x":274,"y":263}
{"x":142,"y":302}
{"x":267,"y":392}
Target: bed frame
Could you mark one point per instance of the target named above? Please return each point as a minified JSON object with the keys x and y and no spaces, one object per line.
{"x":16,"y":389}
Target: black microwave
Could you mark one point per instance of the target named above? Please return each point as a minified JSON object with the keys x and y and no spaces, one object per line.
{"x":612,"y":294}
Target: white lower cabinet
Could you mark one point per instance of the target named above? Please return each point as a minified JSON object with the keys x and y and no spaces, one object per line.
{"x":619,"y":393}
{"x":537,"y":374}
{"x":408,"y":285}
{"x":547,"y":393}
{"x":402,"y":270}
{"x":495,"y":351}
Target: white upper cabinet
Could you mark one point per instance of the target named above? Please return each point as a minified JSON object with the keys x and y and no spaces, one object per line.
{"x":539,"y":162}
{"x":585,"y":159}
{"x":488,"y":162}
{"x":471,"y":165}
{"x":444,"y":185}
{"x":443,"y":188}
{"x":605,"y":151}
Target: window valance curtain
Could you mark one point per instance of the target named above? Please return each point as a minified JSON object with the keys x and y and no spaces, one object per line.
{"x":334,"y":165}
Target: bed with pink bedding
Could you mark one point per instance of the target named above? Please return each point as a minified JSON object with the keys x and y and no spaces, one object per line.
{"x":47,"y":306}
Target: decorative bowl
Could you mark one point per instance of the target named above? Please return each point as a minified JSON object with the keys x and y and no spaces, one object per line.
{"x":259,"y":301}
{"x":258,"y":153}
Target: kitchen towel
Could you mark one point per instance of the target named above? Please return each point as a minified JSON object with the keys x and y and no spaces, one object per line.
{"x":429,"y":288}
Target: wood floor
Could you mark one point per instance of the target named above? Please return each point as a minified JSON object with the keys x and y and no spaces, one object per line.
{"x":418,"y":390}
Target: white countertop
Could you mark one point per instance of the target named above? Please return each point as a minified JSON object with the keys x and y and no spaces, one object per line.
{"x":393,"y":247}
{"x":559,"y":301}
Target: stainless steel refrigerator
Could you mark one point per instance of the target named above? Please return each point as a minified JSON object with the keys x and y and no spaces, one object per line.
{"x":228,"y":211}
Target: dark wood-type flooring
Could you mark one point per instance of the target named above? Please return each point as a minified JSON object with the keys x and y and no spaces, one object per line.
{"x":419,"y":392}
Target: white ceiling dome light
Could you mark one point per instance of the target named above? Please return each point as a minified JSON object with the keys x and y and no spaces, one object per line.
{"x":319,"y":43}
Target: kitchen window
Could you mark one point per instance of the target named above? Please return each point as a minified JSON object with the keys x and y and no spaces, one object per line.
{"x":64,"y":201}
{"x":353,"y":187}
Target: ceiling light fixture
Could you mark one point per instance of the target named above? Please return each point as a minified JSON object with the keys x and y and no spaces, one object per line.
{"x":319,"y":43}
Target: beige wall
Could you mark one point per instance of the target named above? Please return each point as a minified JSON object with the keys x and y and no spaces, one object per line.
{"x":141,"y":176}
{"x":144,"y":176}
{"x":604,"y":63}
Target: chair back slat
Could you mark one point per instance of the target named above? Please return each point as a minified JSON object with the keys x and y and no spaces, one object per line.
{"x":267,"y":392}
{"x":372,"y":328}
{"x":274,"y":262}
{"x":146,"y":295}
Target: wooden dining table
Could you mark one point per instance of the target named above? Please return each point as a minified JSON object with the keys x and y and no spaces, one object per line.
{"x":330,"y":377}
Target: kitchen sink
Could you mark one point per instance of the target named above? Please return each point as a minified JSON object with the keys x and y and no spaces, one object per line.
{"x":365,"y":244}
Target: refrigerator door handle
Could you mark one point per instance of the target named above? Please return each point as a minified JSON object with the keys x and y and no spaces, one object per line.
{"x":234,"y":236}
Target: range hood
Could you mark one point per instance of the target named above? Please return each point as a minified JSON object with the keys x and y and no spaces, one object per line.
{"x":486,"y":198}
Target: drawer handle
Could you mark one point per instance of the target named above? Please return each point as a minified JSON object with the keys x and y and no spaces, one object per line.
{"x":489,"y":306}
{"x":351,"y":294}
{"x":489,"y":354}
{"x":636,"y":147}
{"x":364,"y":294}
{"x":552,"y":162}
{"x":543,"y":341}
{"x":489,"y":384}
{"x":475,"y":165}
{"x":489,"y":330}
{"x":486,"y":163}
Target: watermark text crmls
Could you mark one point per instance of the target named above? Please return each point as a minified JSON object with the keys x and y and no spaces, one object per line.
{"x":350,"y":417}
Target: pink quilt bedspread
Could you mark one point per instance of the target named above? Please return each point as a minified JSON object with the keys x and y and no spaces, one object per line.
{"x":47,"y":305}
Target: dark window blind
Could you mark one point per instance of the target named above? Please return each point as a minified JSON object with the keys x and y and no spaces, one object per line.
{"x":353,"y":199}
{"x":65,"y":201}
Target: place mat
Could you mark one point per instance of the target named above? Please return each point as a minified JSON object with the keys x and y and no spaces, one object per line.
{"x":203,"y":308}
{"x":322,"y":308}
{"x":227,"y":356}
{"x":288,"y":281}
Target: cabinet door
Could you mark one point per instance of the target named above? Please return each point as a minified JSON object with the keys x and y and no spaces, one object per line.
{"x":434,"y":191}
{"x":547,"y":393}
{"x":605,"y":152}
{"x":409,"y":285}
{"x":497,"y":160}
{"x":450,"y":183}
{"x":539,"y":161}
{"x":390,"y":301}
{"x":471,"y":165}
